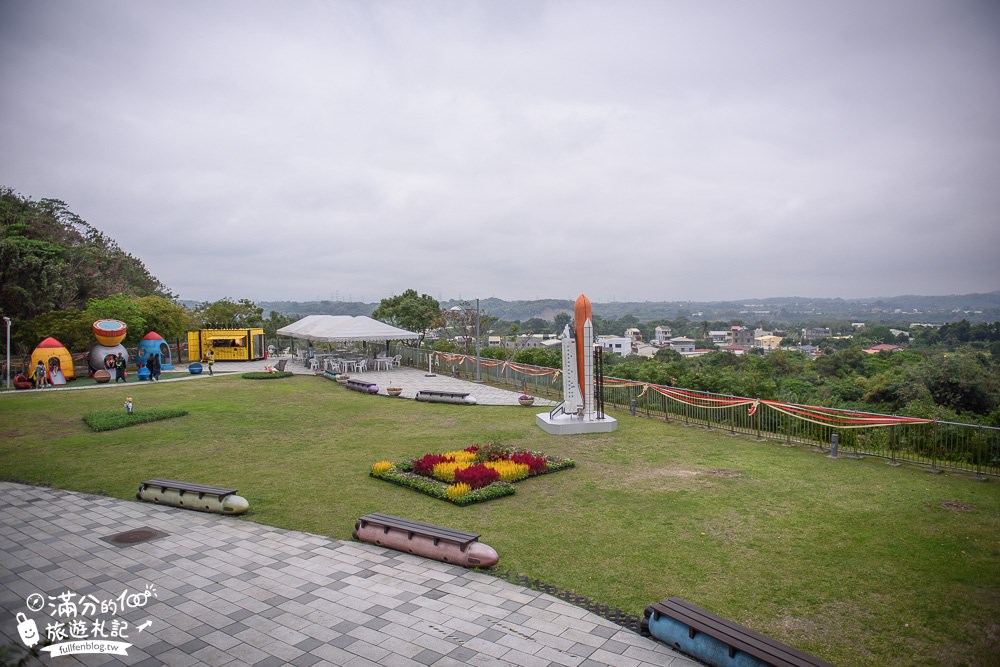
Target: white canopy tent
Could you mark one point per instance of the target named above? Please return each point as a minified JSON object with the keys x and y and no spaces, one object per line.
{"x":343,"y":329}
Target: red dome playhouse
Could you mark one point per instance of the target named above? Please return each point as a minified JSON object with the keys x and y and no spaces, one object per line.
{"x":57,"y":360}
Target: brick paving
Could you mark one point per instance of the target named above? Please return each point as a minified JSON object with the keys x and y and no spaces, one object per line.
{"x":232,"y":592}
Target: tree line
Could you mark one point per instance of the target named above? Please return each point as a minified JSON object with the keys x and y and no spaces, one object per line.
{"x":58,"y":274}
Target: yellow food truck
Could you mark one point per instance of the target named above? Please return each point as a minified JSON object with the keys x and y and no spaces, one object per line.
{"x":227,"y":344}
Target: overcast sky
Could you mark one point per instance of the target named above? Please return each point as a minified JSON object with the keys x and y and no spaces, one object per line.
{"x":627,"y":150}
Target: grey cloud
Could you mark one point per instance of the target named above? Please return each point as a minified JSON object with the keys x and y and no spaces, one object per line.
{"x":518,"y":149}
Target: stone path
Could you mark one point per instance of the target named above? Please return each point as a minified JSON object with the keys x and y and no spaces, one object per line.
{"x":232,"y":592}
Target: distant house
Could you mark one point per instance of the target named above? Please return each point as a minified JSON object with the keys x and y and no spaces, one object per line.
{"x":735,"y":349}
{"x":526,"y":341}
{"x":769,"y":342}
{"x":662,"y":335}
{"x":741,"y":336}
{"x":815,"y":333}
{"x":634,"y":334}
{"x":646,"y":350}
{"x":720,"y":337}
{"x":618,"y":344}
{"x":682,"y":344}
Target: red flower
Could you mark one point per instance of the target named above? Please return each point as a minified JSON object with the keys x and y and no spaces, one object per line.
{"x":477,"y":476}
{"x":536,"y":464}
{"x":425,"y":464}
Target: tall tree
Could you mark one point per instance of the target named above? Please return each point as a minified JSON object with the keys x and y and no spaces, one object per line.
{"x":164,"y":316}
{"x":411,"y":311}
{"x":52,"y":259}
{"x":228,"y":314}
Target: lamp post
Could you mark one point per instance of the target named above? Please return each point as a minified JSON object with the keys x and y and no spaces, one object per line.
{"x":7,"y":365}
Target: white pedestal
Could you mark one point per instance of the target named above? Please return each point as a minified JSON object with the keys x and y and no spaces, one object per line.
{"x":568,"y":425}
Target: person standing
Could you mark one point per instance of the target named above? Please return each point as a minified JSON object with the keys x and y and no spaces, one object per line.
{"x":40,"y":375}
{"x":211,"y":360}
{"x":120,"y":368}
{"x":153,"y":364}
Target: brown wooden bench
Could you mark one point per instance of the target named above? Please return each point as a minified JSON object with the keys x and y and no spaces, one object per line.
{"x":364,"y":386}
{"x":192,"y":496}
{"x":441,"y":396}
{"x":716,"y":631}
{"x":185,"y":487}
{"x":436,"y":533}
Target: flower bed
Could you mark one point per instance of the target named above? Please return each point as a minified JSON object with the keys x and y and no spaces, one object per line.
{"x":471,"y":475}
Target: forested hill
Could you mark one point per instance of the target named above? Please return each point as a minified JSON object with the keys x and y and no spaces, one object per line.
{"x":51,"y":259}
{"x":924,"y":309}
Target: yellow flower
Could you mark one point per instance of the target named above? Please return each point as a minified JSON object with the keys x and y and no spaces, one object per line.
{"x":446,"y":471}
{"x":456,"y":491}
{"x":461,"y":456}
{"x":508,"y":470}
{"x":380,"y":468}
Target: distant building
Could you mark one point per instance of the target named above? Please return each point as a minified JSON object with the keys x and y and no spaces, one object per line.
{"x":646,"y":350}
{"x":527,"y":341}
{"x":634,"y":334}
{"x":815,"y":333}
{"x":741,"y":336}
{"x":769,"y":342}
{"x":720,"y":337}
{"x":682,"y":344}
{"x":620,"y":345}
{"x":662,"y":335}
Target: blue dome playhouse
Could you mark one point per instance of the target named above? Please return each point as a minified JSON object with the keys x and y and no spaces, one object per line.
{"x":153,"y":343}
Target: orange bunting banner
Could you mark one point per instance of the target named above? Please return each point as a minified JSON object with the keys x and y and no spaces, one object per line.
{"x":841,"y":418}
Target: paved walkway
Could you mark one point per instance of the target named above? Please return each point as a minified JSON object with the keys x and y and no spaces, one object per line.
{"x":410,"y":379}
{"x":232,"y":592}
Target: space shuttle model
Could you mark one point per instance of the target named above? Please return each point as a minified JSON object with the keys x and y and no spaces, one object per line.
{"x":582,"y":409}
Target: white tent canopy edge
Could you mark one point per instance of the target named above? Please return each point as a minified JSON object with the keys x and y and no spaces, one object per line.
{"x":343,"y":329}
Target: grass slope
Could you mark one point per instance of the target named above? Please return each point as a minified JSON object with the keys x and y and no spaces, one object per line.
{"x":854,"y":561}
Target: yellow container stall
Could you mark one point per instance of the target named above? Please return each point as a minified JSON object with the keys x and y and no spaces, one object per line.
{"x":227,"y":344}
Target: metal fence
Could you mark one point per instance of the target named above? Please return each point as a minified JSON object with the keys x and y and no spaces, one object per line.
{"x":937,"y":445}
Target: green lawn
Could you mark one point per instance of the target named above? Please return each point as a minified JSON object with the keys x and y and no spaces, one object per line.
{"x":854,"y":561}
